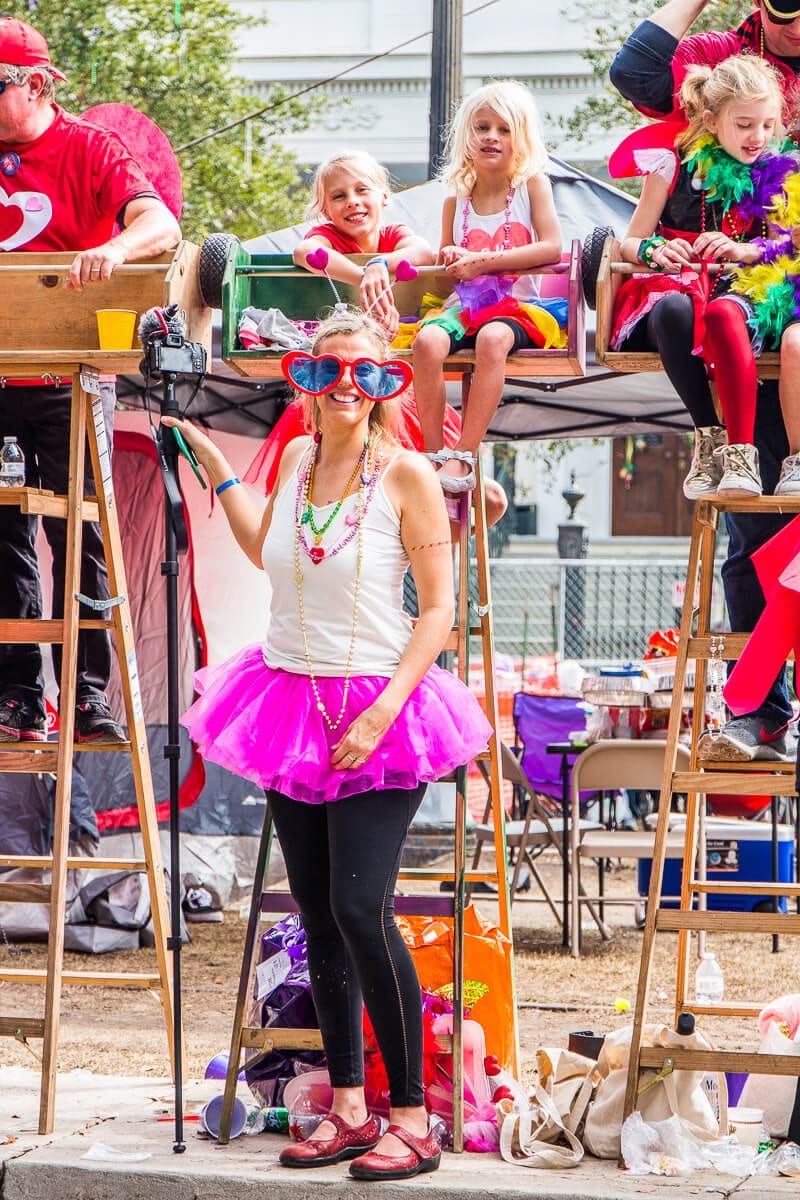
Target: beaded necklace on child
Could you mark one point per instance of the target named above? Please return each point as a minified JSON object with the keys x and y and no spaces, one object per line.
{"x":506,"y":219}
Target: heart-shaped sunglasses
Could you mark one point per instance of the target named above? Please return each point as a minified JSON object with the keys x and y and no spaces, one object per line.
{"x":376,"y":381}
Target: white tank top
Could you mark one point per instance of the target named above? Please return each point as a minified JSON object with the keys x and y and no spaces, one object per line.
{"x":488,"y":233}
{"x":329,"y":590}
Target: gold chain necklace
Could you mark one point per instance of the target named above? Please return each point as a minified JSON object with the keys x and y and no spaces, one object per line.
{"x":372,"y":470}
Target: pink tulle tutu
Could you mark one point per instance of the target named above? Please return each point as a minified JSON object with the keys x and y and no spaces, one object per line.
{"x":264,"y":725}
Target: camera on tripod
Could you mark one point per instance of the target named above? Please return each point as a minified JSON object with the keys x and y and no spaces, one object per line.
{"x":174,"y":355}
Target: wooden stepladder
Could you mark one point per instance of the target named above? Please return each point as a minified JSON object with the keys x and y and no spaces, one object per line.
{"x":36,"y":285}
{"x":764,"y":778}
{"x":257,"y":1042}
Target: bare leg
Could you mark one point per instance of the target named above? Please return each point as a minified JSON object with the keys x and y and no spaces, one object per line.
{"x":431,"y":347}
{"x":492,"y":346}
{"x":348,"y":1103}
{"x":789,"y":386}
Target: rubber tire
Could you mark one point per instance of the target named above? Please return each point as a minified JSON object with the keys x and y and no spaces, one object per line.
{"x":590,"y":261}
{"x":211,"y":268}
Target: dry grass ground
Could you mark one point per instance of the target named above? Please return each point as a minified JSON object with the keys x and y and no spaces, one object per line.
{"x":110,"y":1031}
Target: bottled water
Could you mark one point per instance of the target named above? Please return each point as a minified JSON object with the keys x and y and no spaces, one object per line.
{"x":12,"y":464}
{"x":709,"y":984}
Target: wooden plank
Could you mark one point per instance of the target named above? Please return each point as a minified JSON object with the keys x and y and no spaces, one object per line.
{"x":728,"y":784}
{"x":24,"y":893}
{"x":132,"y":979}
{"x":626,"y":361}
{"x":29,"y":1027}
{"x":725,"y":1008}
{"x":735,"y":1061}
{"x":26,"y":762}
{"x":19,"y":630}
{"x":74,"y":863}
{"x":276,"y":1038}
{"x":746,"y":889}
{"x":761,"y":504}
{"x":727,"y":922}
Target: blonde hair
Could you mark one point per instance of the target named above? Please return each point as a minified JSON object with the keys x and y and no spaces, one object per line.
{"x":707,"y":89}
{"x":514,"y":103}
{"x":355,"y":163}
{"x":384,"y":416}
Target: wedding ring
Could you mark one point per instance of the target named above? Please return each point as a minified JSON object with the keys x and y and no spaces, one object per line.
{"x":353,"y":759}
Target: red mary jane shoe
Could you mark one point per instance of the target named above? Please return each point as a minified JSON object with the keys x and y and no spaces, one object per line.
{"x":425,"y":1155}
{"x":349,"y":1142}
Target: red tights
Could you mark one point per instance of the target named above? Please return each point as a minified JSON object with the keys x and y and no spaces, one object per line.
{"x":728,"y":347}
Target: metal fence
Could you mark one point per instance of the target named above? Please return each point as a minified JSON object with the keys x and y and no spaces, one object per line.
{"x":580,"y":608}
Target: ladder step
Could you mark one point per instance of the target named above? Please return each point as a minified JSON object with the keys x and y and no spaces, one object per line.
{"x":727,"y":922}
{"x":21,"y":1027}
{"x":734,"y":1061}
{"x":83,"y":978}
{"x":759,"y":504}
{"x":18,"y":756}
{"x":24,"y":893}
{"x":23,"y":629}
{"x":734,"y":644}
{"x":36,"y":502}
{"x":435,"y":874}
{"x":713,"y":887}
{"x":274,"y":1037}
{"x":725,"y":1008}
{"x":452,"y":638}
{"x":747,"y":783}
{"x":77,"y":863}
{"x":755,"y":768}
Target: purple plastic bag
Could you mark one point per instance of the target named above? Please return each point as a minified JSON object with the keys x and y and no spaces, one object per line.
{"x":290,"y":1006}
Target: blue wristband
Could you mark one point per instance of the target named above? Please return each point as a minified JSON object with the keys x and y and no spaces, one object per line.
{"x":378,"y":259}
{"x":223,"y":487}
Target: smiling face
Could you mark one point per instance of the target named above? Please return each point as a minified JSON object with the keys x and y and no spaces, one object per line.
{"x":490,"y":142}
{"x":744,"y":128}
{"x":781,"y":40}
{"x":354,"y":204}
{"x":345,"y":405}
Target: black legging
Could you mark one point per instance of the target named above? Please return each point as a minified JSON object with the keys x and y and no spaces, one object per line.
{"x":669,"y":329}
{"x":342,"y":860}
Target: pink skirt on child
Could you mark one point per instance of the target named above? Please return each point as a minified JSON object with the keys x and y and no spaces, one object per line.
{"x":264,"y":724}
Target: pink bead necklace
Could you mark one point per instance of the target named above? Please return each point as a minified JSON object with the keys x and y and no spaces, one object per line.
{"x":368,"y":480}
{"x":506,"y":220}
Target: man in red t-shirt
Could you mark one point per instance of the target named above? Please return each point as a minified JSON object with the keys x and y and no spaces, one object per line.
{"x":64,"y":185}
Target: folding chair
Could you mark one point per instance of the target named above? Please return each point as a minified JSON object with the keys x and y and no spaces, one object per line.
{"x":634,"y":764}
{"x":529,"y":836}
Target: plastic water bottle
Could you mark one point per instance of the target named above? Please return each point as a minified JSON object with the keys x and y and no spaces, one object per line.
{"x":12,"y":464}
{"x":709,"y":984}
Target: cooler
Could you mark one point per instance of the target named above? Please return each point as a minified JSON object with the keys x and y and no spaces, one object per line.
{"x":734,"y":850}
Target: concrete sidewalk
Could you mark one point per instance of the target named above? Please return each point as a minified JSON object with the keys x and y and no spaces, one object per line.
{"x":102,"y":1123}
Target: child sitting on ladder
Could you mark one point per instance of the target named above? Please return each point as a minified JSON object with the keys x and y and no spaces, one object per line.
{"x":500,"y":224}
{"x":350,"y":191}
{"x":712,"y":199}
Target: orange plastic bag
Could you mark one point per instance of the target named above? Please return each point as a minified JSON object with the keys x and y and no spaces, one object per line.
{"x":487,"y":959}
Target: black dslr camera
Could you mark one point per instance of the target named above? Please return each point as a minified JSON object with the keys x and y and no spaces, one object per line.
{"x":167,"y":351}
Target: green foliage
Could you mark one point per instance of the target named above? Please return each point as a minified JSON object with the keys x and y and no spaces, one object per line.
{"x":610,"y":26}
{"x":173,"y":61}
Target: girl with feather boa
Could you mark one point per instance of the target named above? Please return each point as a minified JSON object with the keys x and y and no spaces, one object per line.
{"x":707,"y":207}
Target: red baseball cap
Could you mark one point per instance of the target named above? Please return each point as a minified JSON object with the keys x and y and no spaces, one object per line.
{"x":23,"y":46}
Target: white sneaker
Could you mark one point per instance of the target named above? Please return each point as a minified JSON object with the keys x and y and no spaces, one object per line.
{"x":789,"y":482}
{"x":706,"y":470}
{"x":740,"y":477}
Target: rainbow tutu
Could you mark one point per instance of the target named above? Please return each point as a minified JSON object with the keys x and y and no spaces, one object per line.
{"x":264,"y":724}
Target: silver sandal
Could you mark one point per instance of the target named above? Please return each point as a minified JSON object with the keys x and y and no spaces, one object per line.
{"x":455,"y":484}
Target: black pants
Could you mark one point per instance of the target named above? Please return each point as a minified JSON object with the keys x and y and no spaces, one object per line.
{"x":39,"y":418}
{"x":669,"y":330}
{"x":342,"y":860}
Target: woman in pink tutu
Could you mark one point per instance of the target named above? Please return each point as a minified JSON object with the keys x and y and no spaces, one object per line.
{"x":343,"y":717}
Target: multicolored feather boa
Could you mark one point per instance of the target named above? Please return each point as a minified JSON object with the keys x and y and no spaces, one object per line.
{"x":767,"y":191}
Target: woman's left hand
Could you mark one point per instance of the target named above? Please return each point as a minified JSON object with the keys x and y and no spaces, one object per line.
{"x":362,"y":737}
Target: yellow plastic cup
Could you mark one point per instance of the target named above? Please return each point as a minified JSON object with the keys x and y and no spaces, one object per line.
{"x":115,"y":328}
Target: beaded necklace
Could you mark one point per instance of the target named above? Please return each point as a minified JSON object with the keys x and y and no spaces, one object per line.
{"x":316,"y":552}
{"x":506,"y":219}
{"x":369,"y":479}
{"x":307,"y":517}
